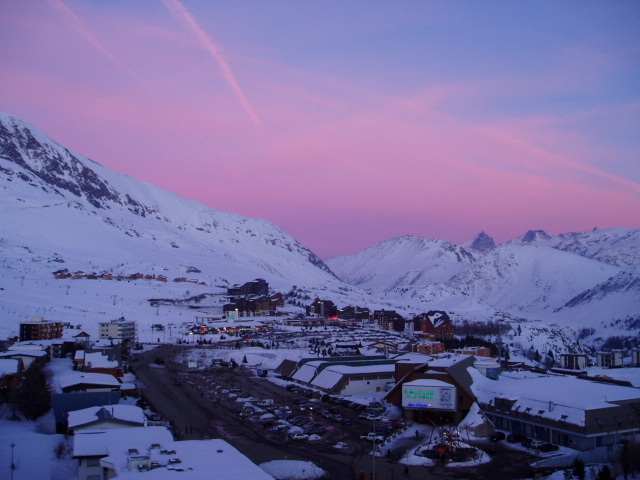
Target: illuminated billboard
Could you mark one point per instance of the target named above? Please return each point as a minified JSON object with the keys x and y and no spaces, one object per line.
{"x":429,"y":395}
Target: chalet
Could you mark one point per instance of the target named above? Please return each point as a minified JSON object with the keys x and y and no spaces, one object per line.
{"x":439,"y":326}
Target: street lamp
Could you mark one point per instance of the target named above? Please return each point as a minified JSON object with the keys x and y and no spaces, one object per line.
{"x":13,"y":465}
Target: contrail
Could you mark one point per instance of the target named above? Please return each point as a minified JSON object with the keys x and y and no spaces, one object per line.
{"x":182,"y":16}
{"x":77,"y":24}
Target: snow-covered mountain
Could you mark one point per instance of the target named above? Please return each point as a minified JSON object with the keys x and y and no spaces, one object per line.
{"x":96,"y":219}
{"x":575,"y":279}
{"x":530,"y":279}
{"x":402,"y":262}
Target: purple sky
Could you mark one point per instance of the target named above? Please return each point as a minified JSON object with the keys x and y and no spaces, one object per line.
{"x":347,"y":122}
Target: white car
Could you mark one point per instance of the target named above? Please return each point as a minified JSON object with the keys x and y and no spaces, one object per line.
{"x":300,"y":436}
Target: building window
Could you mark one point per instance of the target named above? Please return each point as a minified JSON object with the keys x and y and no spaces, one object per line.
{"x":93,"y":462}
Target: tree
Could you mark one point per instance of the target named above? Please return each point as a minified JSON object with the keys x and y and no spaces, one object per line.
{"x":35,"y":396}
{"x":579,"y":469}
{"x":244,"y":359}
{"x":605,"y":473}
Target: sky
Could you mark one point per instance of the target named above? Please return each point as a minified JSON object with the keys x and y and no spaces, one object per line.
{"x":347,"y":122}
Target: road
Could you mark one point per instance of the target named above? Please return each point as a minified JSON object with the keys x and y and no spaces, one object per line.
{"x":196,"y":411}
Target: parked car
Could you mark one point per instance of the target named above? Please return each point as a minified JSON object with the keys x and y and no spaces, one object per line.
{"x":516,"y":437}
{"x":497,"y":437}
{"x":300,"y":436}
{"x":548,"y":447}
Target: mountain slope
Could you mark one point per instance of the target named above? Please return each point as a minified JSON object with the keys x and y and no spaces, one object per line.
{"x":65,"y":206}
{"x":530,"y":279}
{"x":403,"y":261}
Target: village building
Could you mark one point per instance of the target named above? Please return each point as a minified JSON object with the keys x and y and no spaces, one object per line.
{"x":124,"y":453}
{"x":354,"y":313}
{"x":611,"y":359}
{"x":341,"y":375}
{"x":27,"y":356}
{"x":475,"y":351}
{"x":40,"y":329}
{"x":432,"y":389}
{"x":126,"y":330}
{"x":388,"y":320}
{"x":436,"y":326}
{"x":252,"y":305}
{"x":565,"y":410}
{"x":101,"y":361}
{"x":10,"y":373}
{"x":105,"y":417}
{"x":431,"y":347}
{"x":635,"y":357}
{"x":88,"y":382}
{"x":258,"y":287}
{"x":322,"y":309}
{"x":574,"y":361}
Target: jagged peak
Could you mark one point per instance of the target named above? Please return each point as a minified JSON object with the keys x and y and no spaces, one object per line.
{"x":532,"y":236}
{"x":482,"y":243}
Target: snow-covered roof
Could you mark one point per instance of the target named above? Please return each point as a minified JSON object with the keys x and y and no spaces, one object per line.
{"x":125,"y":413}
{"x":426,"y":382}
{"x":198,"y":458}
{"x":77,"y":378}
{"x":556,"y":397}
{"x":24,"y":353}
{"x":99,"y":360}
{"x":9,"y":366}
{"x":306,"y":372}
{"x":94,"y":443}
{"x":330,"y":376}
